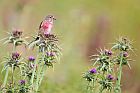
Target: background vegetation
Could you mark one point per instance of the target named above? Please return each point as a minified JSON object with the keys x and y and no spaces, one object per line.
{"x":82,"y":26}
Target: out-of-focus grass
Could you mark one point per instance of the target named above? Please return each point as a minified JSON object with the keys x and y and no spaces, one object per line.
{"x":76,"y":24}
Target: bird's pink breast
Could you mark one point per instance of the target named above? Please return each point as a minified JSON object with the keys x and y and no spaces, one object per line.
{"x":45,"y":25}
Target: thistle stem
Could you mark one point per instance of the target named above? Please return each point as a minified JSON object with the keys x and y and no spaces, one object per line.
{"x":40,"y":71}
{"x":33,"y":74}
{"x":42,"y":75}
{"x":12,"y":78}
{"x":93,"y":84}
{"x":101,"y":90}
{"x":118,"y":83}
{"x":39,"y":77}
{"x":88,"y":87}
{"x":6,"y":76}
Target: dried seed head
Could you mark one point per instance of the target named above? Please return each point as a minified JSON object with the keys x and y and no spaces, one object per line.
{"x":17,"y":33}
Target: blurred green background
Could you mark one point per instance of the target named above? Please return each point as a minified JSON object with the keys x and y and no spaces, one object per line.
{"x":83,"y":26}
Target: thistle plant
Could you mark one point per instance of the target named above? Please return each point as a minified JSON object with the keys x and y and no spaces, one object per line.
{"x":122,"y":47}
{"x":16,"y":38}
{"x":13,"y":61}
{"x":104,"y":77}
{"x":25,"y":75}
{"x":48,"y":54}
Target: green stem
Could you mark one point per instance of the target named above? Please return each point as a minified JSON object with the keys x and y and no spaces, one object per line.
{"x":93,"y":88}
{"x":118,"y":83}
{"x":33,"y":74}
{"x":119,"y":78}
{"x":12,"y":78}
{"x":42,"y":75}
{"x":40,"y":71}
{"x":88,"y":88}
{"x":101,"y":90}
{"x":6,"y":76}
{"x":14,"y":48}
{"x":38,"y":75}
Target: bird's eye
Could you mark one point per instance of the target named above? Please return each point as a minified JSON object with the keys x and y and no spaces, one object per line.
{"x":50,"y":16}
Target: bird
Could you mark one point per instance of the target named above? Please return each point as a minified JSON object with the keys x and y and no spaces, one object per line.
{"x":46,"y":26}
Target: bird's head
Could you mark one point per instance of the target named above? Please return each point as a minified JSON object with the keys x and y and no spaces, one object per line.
{"x":50,"y":18}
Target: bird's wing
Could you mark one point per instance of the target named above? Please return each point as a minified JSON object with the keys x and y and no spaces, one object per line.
{"x":40,"y":25}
